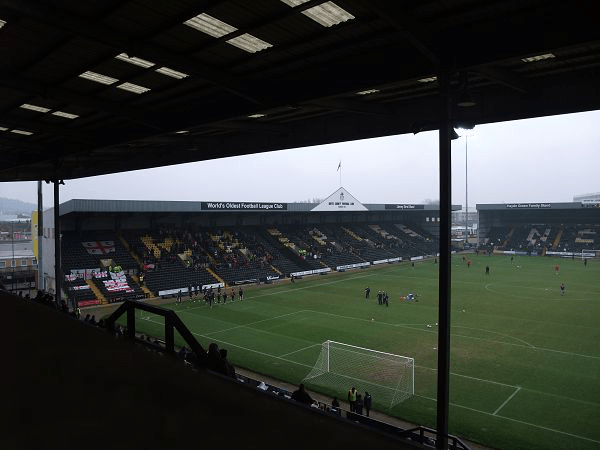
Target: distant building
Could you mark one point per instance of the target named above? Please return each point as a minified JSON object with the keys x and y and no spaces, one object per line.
{"x":587,"y":198}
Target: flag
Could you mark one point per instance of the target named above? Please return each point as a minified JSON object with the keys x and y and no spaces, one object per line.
{"x":99,"y":247}
{"x":339,"y":165}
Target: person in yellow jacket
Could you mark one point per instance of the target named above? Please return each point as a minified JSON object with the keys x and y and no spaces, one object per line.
{"x":352,"y":393}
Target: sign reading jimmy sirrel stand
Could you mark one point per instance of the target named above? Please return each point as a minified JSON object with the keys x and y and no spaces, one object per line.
{"x":340,"y":200}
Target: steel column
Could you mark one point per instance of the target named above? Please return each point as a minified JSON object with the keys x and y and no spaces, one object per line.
{"x":57,"y":271}
{"x":445,"y":162}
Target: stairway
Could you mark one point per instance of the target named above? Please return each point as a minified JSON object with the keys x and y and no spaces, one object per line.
{"x":97,"y":292}
{"x":128,"y":248}
{"x":352,"y":233}
{"x":150,"y":245}
{"x":219,"y":279}
{"x":557,"y":239}
{"x":147,"y":292}
{"x":507,"y":240}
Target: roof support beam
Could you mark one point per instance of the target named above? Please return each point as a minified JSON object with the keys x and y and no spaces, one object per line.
{"x":504,"y":77}
{"x":349,"y":105}
{"x":412,"y":30}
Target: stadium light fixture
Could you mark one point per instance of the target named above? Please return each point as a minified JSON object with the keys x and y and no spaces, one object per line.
{"x":217,"y":28}
{"x":326,"y":14}
{"x":34,"y":108}
{"x":249,"y":43}
{"x":66,"y":115}
{"x":172,"y":73}
{"x":210,"y":25}
{"x":135,"y":88}
{"x":23,"y":132}
{"x":98,"y":78}
{"x":538,"y":57}
{"x":135,"y":60}
{"x":2,"y":23}
{"x":367,"y":92}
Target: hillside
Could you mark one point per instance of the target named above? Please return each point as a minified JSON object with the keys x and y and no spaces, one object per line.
{"x":12,"y":206}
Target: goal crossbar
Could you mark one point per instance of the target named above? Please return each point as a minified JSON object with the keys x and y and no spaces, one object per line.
{"x":388,"y":376}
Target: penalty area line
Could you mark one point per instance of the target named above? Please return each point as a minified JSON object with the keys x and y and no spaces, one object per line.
{"x":516,"y":420}
{"x":506,"y":401}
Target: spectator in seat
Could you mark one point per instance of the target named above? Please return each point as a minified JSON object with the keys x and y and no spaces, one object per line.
{"x":214,"y":357}
{"x":300,"y":395}
{"x":225,"y":367}
{"x":335,"y":403}
{"x":335,"y":406}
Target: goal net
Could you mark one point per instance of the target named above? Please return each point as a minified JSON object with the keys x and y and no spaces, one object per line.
{"x":388,"y":378}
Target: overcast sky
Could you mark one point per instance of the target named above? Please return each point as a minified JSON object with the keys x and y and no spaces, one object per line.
{"x":548,"y":159}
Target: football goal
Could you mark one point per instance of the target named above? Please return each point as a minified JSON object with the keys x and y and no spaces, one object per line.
{"x":390,"y":379}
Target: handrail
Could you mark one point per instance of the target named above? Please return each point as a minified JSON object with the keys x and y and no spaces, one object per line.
{"x":172,"y":322}
{"x":417,"y":433}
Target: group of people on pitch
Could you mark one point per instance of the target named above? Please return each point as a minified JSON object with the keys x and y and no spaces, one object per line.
{"x":382,"y":296}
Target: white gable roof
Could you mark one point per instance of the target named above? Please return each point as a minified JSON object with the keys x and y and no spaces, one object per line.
{"x":340,"y":200}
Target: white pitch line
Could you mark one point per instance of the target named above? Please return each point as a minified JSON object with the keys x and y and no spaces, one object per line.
{"x":495,"y":332}
{"x":516,"y":420}
{"x":416,"y":395}
{"x":506,"y":401}
{"x":463,"y":335}
{"x":254,"y":323}
{"x":302,"y":349}
{"x":244,"y":348}
{"x":282,"y":291}
{"x":506,"y":295}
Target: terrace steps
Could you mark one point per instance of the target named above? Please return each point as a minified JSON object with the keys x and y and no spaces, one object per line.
{"x":97,"y":292}
{"x":352,"y":233}
{"x":215,"y":275}
{"x":557,"y":239}
{"x":128,"y":248}
{"x":147,"y":292}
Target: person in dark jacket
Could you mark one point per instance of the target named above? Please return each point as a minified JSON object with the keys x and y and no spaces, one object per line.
{"x":368,"y":401}
{"x":214,"y":357}
{"x":358,"y":408}
{"x":300,"y":395}
{"x":225,"y":367}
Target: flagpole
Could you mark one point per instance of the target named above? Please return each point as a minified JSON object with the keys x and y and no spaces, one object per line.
{"x":340,"y":171}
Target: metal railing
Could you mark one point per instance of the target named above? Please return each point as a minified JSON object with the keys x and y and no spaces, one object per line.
{"x":172,"y":323}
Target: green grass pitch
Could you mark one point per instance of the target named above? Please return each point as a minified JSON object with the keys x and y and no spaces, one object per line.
{"x":525,"y":361}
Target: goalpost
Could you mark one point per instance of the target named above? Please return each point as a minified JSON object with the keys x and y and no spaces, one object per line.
{"x":390,"y":379}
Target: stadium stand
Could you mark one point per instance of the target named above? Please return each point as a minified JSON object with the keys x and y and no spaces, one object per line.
{"x":166,"y":259}
{"x":578,"y":237}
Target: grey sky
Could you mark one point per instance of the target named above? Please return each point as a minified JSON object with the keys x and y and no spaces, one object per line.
{"x":548,"y":159}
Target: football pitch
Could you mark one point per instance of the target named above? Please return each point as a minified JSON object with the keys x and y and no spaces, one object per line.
{"x":525,"y":360}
